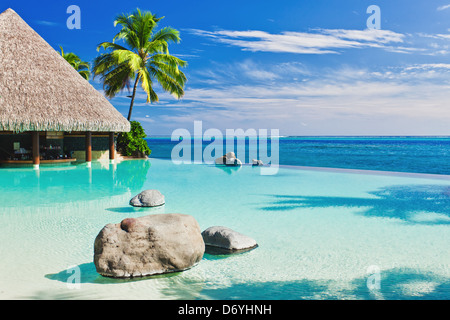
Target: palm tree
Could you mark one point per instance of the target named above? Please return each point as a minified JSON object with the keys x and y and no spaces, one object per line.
{"x":81,"y":66}
{"x":144,"y":58}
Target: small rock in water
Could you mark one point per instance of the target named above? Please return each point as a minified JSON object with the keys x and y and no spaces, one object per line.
{"x":148,"y":198}
{"x":257,"y":163}
{"x":229,"y":160}
{"x":223,"y":240}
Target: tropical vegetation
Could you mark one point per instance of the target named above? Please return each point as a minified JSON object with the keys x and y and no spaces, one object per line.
{"x":143,"y":58}
{"x":75,"y":61}
{"x":132,"y":143}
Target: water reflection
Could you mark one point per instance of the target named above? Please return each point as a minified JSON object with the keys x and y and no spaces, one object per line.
{"x":228,"y":169}
{"x":51,"y":185}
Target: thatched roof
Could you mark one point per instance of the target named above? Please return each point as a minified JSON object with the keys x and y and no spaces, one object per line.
{"x":40,"y":91}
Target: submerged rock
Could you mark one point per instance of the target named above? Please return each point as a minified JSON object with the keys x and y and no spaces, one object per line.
{"x":149,"y":245}
{"x":229,"y":160}
{"x":220,"y":240}
{"x":148,"y":198}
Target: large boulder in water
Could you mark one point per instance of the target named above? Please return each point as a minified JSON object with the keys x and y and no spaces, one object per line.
{"x":149,"y":245}
{"x":223,"y":240}
{"x":148,"y":198}
{"x":229,"y":159}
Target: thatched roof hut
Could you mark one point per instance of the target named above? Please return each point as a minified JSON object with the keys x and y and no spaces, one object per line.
{"x":40,"y":91}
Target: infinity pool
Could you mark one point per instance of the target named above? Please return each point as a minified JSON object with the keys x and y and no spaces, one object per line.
{"x":321,"y":233}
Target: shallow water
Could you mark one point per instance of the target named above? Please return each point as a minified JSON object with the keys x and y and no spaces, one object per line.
{"x":319,"y":232}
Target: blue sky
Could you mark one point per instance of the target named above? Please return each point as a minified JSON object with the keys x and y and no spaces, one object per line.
{"x":303,"y":67}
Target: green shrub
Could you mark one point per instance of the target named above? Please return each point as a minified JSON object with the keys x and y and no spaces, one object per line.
{"x":132,"y":143}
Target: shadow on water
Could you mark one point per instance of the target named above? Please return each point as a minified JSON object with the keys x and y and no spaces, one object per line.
{"x":141,"y":210}
{"x":401,"y":202}
{"x":88,"y":274}
{"x":271,"y":290}
{"x":406,"y":284}
{"x":395,"y":284}
{"x":171,"y":285}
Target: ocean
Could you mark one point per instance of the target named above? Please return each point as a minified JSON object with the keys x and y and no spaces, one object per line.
{"x":397,"y":154}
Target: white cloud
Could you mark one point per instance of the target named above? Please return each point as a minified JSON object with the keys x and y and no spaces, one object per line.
{"x":331,"y":41}
{"x":186,"y":56}
{"x":445,"y":7}
{"x":318,"y":41}
{"x":435,"y":36}
{"x":250,"y":69}
{"x":47,"y":23}
{"x":145,"y":119}
{"x":429,"y":66}
{"x":401,"y":100}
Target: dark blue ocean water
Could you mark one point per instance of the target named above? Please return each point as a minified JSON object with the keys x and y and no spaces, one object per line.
{"x":401,"y":154}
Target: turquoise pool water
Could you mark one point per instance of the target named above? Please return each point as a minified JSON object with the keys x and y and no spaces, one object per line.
{"x":320,"y":233}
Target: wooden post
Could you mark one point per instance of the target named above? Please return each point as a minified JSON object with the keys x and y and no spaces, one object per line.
{"x":35,"y":149}
{"x":88,"y":148}
{"x":112,"y":149}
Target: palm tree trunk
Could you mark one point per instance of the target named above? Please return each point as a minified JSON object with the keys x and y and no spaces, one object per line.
{"x":133,"y":96}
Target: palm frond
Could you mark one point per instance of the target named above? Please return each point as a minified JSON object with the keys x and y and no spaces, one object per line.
{"x":126,"y":56}
{"x":170,"y":60}
{"x":167,"y":34}
{"x":168,"y":83}
{"x":116,"y":80}
{"x":110,"y":46}
{"x":171,"y":71}
{"x":114,"y":75}
{"x":75,"y":61}
{"x":86,"y":74}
